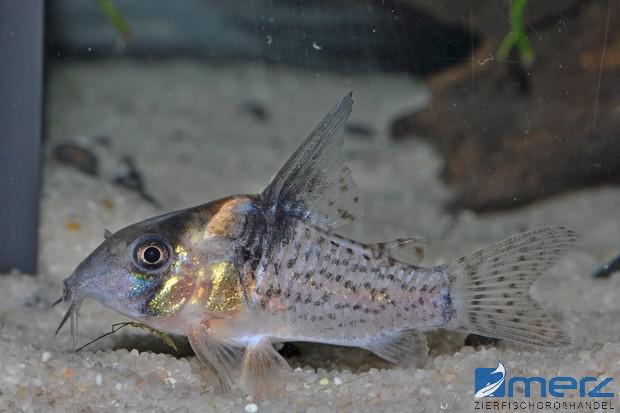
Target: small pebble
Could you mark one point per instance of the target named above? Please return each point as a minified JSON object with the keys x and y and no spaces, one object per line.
{"x":118,"y":386}
{"x":46,"y":356}
{"x":337,"y":381}
{"x":77,"y":156}
{"x":73,"y":225}
{"x":98,"y":380}
{"x":251,"y":408}
{"x":255,"y":109}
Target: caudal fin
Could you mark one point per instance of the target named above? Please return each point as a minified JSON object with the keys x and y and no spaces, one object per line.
{"x":490,"y":288}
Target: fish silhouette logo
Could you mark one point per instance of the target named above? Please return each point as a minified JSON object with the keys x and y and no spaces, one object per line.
{"x":489,"y":382}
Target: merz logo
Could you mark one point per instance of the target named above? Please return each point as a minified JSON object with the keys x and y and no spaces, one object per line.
{"x":492,"y":382}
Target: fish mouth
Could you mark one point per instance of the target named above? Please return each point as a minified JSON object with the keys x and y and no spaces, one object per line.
{"x":72,"y":313}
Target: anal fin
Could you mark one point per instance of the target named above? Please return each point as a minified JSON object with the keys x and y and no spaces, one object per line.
{"x":407,"y":348}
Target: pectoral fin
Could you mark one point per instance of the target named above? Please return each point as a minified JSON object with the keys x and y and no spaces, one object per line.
{"x":223,"y":359}
{"x":256,"y":369}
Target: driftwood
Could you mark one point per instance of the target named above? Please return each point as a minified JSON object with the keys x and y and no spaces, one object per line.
{"x":512,"y":134}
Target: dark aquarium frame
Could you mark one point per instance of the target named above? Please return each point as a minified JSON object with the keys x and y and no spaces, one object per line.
{"x":21,"y":80}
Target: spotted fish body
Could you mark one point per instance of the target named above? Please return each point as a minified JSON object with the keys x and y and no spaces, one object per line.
{"x":241,"y":273}
{"x":332,"y":289}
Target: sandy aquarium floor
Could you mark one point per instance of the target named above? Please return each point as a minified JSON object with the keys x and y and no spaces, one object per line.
{"x":197,"y":132}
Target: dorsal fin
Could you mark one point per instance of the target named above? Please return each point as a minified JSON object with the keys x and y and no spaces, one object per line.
{"x":315,"y":184}
{"x":410,"y":250}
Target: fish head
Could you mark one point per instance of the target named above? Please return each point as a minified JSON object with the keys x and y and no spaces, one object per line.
{"x":150,"y":271}
{"x":145,"y":271}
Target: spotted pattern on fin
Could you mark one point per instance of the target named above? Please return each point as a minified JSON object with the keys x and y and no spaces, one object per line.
{"x":315,"y":184}
{"x":491,"y":287}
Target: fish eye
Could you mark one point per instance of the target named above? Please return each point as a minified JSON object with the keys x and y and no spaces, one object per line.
{"x":151,"y":253}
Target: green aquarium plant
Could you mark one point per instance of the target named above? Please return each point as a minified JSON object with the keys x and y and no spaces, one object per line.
{"x":517,"y":37}
{"x":116,"y":19}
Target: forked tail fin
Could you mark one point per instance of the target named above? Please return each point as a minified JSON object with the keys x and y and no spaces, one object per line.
{"x":490,"y":288}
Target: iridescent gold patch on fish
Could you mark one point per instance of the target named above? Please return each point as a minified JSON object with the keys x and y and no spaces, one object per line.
{"x":225,"y":221}
{"x":226,"y":294}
